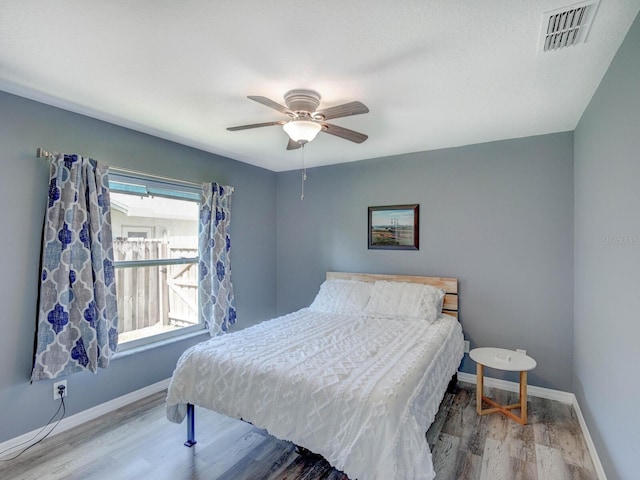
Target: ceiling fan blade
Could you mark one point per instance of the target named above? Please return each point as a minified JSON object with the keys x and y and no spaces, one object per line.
{"x":256,"y":125}
{"x":345,"y":133}
{"x":267,"y":102}
{"x":345,"y":110}
{"x":293,"y":145}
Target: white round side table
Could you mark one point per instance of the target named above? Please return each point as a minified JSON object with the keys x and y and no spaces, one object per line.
{"x":502,"y":359}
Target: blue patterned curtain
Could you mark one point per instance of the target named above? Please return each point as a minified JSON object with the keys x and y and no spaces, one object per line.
{"x":217,"y":303}
{"x":77,"y":313}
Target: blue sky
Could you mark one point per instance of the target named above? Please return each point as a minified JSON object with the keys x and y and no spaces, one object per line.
{"x":383,"y":217}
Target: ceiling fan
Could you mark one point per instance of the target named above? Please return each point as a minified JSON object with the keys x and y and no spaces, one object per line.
{"x":305,"y":120}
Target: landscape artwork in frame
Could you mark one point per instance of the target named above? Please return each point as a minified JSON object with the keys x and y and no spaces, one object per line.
{"x":394,"y":227}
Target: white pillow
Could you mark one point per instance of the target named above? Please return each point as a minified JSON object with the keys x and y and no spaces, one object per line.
{"x":342,"y":296}
{"x":405,"y":300}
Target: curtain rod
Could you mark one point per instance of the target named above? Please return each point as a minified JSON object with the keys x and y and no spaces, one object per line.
{"x":42,"y":153}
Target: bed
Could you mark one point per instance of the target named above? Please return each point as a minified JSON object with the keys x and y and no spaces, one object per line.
{"x":356,"y":377}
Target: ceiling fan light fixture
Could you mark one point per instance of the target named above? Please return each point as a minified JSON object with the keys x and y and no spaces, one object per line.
{"x":302,"y":131}
{"x":304,"y":120}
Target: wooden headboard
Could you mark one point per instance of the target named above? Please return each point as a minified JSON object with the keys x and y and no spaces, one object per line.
{"x":449,"y":284}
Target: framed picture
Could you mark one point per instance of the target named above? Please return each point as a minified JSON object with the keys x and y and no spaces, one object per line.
{"x":394,"y":227}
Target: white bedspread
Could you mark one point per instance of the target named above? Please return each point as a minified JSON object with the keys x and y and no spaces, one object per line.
{"x":359,"y":391}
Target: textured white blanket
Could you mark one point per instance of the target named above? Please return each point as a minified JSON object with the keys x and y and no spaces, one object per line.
{"x":360,"y":391}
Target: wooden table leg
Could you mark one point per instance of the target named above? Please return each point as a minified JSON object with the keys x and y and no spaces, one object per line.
{"x":523,"y":397}
{"x":496,"y":407}
{"x":479,"y":387}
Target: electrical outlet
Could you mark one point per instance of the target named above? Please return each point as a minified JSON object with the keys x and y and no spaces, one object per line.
{"x":56,"y":393}
{"x":521,"y":350}
{"x":466,"y":346}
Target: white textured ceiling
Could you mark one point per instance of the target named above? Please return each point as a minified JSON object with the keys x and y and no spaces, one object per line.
{"x":434,"y":74}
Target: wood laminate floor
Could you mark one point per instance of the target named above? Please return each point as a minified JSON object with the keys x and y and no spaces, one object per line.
{"x":137,"y":442}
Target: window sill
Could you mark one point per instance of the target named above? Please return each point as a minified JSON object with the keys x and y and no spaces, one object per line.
{"x":159,"y":343}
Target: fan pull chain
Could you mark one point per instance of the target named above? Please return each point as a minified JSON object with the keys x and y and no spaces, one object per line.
{"x":304,"y":173}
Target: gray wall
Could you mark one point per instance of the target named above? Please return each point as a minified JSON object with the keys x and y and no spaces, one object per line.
{"x":26,"y":125}
{"x":499,"y":216}
{"x":607,"y":262}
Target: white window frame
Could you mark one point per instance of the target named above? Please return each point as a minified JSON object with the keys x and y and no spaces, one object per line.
{"x":168,"y":188}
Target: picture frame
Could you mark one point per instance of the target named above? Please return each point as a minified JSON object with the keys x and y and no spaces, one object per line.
{"x":394,"y":227}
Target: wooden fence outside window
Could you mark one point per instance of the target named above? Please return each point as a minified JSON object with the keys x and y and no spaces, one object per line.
{"x":155,"y":295}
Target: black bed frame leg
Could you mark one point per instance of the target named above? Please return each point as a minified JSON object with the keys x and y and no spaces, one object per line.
{"x":453,"y":383}
{"x":191,"y":431}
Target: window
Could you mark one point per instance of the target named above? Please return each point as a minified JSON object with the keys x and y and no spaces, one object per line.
{"x":155,"y":243}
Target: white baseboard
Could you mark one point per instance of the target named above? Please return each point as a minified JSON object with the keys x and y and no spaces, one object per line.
{"x":587,"y":437}
{"x":549,"y":394}
{"x":87,"y":415}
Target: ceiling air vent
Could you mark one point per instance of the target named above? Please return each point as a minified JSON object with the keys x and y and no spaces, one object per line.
{"x":567,"y":26}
